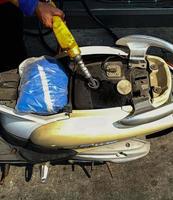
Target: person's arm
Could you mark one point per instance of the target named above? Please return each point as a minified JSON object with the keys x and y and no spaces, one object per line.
{"x":15,"y":2}
{"x":27,"y":6}
{"x":44,"y":11}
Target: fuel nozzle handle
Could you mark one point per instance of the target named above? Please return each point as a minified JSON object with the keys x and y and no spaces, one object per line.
{"x":68,"y":44}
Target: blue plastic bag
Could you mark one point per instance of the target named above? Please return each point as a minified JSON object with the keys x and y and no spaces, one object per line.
{"x":43,"y":87}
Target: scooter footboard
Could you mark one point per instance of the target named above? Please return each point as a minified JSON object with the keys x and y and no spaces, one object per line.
{"x":118,"y":152}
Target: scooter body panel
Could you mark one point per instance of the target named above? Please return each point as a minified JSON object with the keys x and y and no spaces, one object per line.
{"x":82,"y":131}
{"x":88,"y":127}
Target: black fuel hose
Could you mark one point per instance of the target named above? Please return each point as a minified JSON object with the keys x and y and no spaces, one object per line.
{"x":45,"y":44}
{"x":98,"y":21}
{"x":36,"y":34}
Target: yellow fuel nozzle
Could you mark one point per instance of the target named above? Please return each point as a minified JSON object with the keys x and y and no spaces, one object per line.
{"x":65,"y":38}
{"x":69,"y":44}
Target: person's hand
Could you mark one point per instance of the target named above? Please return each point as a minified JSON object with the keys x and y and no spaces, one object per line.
{"x":45,"y":13}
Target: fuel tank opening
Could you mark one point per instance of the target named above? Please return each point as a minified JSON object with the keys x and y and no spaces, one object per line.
{"x":108,"y":71}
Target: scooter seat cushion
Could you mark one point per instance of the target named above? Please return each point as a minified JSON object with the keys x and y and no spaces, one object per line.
{"x":43,"y":86}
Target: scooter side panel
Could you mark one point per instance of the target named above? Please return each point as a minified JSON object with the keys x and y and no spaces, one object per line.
{"x":84,"y":130}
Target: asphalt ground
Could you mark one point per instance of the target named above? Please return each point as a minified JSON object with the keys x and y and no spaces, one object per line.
{"x":149,"y":178}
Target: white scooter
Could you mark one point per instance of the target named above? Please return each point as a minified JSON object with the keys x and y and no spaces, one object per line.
{"x":109,"y":124}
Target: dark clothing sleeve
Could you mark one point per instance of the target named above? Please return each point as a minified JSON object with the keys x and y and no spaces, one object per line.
{"x":28,"y":6}
{"x":12,"y":48}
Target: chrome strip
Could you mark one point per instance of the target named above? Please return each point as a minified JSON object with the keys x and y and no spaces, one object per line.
{"x":94,"y":50}
{"x":149,"y":116}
